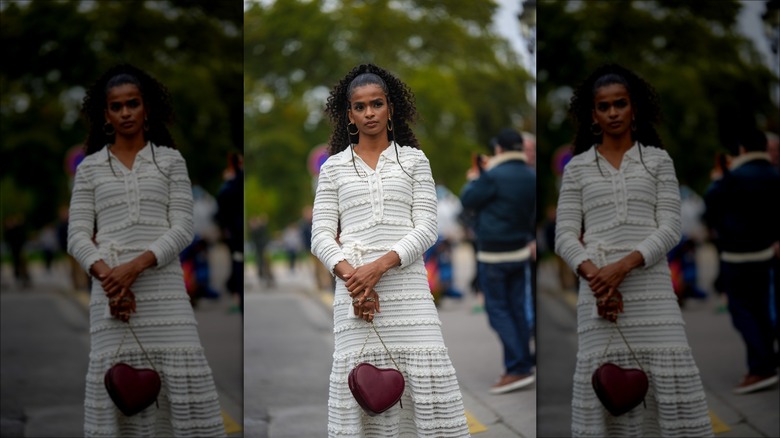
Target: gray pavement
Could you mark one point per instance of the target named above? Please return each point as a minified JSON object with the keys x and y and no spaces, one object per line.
{"x":289,"y":347}
{"x":716,"y":345}
{"x":45,"y":349}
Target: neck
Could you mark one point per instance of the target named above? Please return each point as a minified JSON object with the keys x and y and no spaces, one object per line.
{"x":617,"y":144}
{"x":130,"y":144}
{"x":374,"y":144}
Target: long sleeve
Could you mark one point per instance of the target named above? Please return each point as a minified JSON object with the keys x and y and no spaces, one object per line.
{"x":81,"y":223}
{"x":568,"y":225}
{"x":325,"y":222}
{"x":180,"y":234}
{"x":478,"y":192}
{"x":667,"y":215}
{"x":424,"y":215}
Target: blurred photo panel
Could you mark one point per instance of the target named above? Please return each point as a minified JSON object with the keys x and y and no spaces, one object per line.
{"x":642,"y":259}
{"x":376,"y":135}
{"x":122,"y":212}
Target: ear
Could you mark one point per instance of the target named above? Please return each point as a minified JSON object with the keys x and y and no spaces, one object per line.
{"x":390,"y":104}
{"x":593,"y":116}
{"x":349,"y":116}
{"x":105,"y":115}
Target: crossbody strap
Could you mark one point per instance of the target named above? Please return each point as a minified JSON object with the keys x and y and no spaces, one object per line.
{"x":130,"y":328}
{"x":627,"y":345}
{"x":380,"y":340}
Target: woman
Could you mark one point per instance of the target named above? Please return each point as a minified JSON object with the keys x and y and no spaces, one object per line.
{"x":130,"y":217}
{"x":374,"y":216}
{"x":618,"y":216}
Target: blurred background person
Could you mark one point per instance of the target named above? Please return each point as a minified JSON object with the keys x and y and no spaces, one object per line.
{"x":260,"y":238}
{"x":292,"y":240}
{"x":504,"y":198}
{"x":230,"y":217}
{"x":15,"y":233}
{"x":747,"y":235}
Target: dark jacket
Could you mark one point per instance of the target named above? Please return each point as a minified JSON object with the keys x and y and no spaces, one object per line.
{"x":504,"y":198}
{"x":742,"y":205}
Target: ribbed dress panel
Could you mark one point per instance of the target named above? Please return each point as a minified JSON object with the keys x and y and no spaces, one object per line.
{"x":378,"y":211}
{"x":635,"y":207}
{"x":146,"y":208}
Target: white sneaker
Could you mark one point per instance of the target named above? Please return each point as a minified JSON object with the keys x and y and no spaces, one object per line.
{"x":509,"y":382}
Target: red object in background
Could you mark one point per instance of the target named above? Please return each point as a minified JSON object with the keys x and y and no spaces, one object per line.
{"x":73,"y":158}
{"x":317,"y":158}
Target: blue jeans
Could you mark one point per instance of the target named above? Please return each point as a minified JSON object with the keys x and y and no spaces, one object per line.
{"x":504,"y":287}
{"x":751,"y":304}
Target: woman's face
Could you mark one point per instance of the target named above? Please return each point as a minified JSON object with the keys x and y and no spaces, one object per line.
{"x":369,"y":110}
{"x":612,"y":109}
{"x":125,"y":109}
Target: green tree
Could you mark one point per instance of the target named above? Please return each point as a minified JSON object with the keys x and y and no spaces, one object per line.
{"x":710,"y":78}
{"x":467,"y":81}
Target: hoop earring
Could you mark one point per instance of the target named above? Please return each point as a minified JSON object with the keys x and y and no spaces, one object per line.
{"x":105,"y":131}
{"x":146,"y":125}
{"x":389,"y":124}
{"x":357,"y":131}
{"x":593,"y":128}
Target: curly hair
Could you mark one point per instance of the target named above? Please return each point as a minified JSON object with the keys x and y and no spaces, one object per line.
{"x":156,"y":99}
{"x":644,"y":102}
{"x":398,"y":94}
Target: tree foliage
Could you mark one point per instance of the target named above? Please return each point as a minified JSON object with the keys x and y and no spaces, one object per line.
{"x":467,"y":81}
{"x":710,"y":79}
{"x":54,"y":50}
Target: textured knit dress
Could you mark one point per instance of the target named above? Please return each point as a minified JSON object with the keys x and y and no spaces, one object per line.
{"x":636,"y":207}
{"x":139,"y":209}
{"x":378,"y":211}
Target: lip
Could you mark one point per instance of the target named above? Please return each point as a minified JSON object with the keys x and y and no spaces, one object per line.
{"x":128,"y":124}
{"x":371,"y":124}
{"x":615,"y":124}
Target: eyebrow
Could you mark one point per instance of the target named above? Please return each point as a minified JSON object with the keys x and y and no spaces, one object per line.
{"x":378,"y":99}
{"x":118,"y":100}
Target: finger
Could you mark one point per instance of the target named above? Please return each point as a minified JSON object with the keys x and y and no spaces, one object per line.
{"x":377,"y":304}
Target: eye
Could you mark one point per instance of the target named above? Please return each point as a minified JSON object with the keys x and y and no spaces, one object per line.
{"x":133,"y":103}
{"x":602,"y":106}
{"x":358,"y":107}
{"x":115,"y":106}
{"x":378,"y":104}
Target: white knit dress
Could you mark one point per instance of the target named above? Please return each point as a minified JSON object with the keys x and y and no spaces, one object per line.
{"x":624,"y":210}
{"x":138,"y":210}
{"x":378,"y":211}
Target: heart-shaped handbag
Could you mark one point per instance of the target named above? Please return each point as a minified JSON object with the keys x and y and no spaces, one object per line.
{"x":376,"y":389}
{"x":620,"y":389}
{"x":132,"y":389}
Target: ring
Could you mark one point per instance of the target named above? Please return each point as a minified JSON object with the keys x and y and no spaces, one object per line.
{"x":370,"y":299}
{"x":366,"y":313}
{"x":355,"y":300}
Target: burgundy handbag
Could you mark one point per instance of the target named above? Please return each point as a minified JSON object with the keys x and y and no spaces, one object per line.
{"x":132,"y":389}
{"x":376,"y":389}
{"x":620,"y":389}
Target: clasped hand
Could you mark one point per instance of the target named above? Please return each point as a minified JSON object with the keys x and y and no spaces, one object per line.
{"x":116,"y":284}
{"x":604,"y":283}
{"x":360,"y":283}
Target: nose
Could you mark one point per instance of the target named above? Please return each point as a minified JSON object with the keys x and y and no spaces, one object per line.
{"x":125,"y":111}
{"x":369,"y":112}
{"x":612,"y":111}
